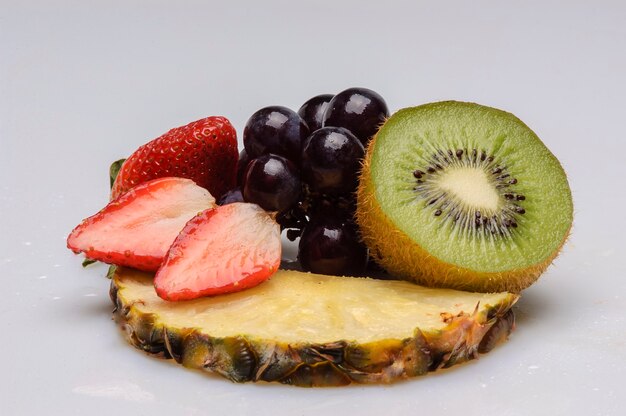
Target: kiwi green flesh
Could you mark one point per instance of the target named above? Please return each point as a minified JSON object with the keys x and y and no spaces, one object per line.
{"x":466,"y":137}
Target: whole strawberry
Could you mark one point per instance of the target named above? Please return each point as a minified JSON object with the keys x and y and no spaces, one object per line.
{"x":204,"y":151}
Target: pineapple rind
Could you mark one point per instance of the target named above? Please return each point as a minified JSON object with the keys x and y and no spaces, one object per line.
{"x":244,"y":358}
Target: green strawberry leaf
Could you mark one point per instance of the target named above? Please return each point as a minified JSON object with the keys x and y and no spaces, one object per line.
{"x":111,"y":271}
{"x":115,"y":169}
{"x":87,"y":262}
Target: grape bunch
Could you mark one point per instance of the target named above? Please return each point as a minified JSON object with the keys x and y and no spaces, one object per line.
{"x":304,"y":165}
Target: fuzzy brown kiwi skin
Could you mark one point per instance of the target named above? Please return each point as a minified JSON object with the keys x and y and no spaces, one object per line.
{"x":243,"y":359}
{"x":411,"y":262}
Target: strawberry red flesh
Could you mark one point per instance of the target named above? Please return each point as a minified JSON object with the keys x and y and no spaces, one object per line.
{"x":221,"y":250}
{"x":138,"y":228}
{"x":204,"y":151}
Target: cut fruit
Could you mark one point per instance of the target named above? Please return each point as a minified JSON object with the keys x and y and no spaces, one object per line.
{"x":221,"y":250}
{"x":463,"y":196}
{"x":138,"y":228}
{"x":313,"y":330}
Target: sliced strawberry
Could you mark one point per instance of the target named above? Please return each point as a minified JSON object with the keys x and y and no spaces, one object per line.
{"x":204,"y":151}
{"x":138,"y":228}
{"x":222,"y":250}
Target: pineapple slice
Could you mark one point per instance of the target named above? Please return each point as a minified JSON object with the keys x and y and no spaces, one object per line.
{"x":314,"y":330}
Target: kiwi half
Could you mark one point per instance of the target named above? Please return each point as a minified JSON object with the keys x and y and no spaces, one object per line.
{"x":463,"y":196}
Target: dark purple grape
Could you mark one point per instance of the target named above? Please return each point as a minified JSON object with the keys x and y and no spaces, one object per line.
{"x":331,"y":159}
{"x":294,"y":218}
{"x":273,"y":182}
{"x":360,"y":110}
{"x":322,"y":205}
{"x":330,"y":245}
{"x":312,"y":112}
{"x":234,"y":195}
{"x":277,"y":130}
{"x":242,"y":164}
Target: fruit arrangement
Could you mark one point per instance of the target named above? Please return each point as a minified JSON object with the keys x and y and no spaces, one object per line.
{"x":453,"y":196}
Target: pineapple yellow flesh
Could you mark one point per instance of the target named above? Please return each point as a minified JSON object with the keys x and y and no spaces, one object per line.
{"x":314,"y":330}
{"x":296,"y":307}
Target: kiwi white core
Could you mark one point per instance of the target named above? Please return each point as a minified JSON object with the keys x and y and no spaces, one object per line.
{"x":472,"y":187}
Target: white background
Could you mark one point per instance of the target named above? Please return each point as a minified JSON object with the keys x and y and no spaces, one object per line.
{"x":85,"y":83}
